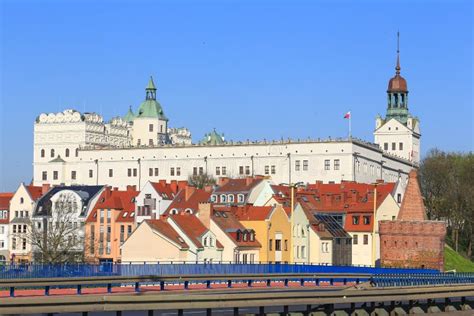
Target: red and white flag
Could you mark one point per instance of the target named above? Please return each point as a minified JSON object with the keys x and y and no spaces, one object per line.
{"x":347,"y":115}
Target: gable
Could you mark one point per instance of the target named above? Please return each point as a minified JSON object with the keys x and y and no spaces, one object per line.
{"x":392,"y":126}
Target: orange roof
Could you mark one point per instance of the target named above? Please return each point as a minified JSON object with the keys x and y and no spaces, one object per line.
{"x":180,"y":203}
{"x":123,"y":201}
{"x":165,"y":190}
{"x":5,"y":200}
{"x":252,"y":213}
{"x":192,"y":227}
{"x":165,"y":229}
{"x":35,"y":191}
{"x":229,"y":224}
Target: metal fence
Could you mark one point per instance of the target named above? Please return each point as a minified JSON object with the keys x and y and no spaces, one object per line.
{"x":20,"y":271}
{"x":416,"y":279}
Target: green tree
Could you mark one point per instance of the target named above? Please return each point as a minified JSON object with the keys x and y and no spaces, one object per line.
{"x":201,"y":180}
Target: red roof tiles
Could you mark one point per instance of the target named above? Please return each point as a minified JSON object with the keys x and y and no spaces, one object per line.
{"x":165,"y":229}
{"x":192,"y":227}
{"x":183,"y":201}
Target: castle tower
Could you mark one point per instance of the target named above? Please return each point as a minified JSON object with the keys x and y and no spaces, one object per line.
{"x":149,"y":125}
{"x":398,"y":133}
{"x":411,"y":240}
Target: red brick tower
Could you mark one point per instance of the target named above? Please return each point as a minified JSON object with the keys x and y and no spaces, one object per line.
{"x":411,"y":240}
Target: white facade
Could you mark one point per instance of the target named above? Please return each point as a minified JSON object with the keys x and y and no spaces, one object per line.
{"x":150,"y":203}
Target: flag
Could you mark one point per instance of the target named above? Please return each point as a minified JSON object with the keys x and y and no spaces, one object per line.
{"x":347,"y":115}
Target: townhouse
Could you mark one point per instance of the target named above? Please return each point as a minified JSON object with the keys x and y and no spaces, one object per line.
{"x":109,"y":224}
{"x":4,"y":229}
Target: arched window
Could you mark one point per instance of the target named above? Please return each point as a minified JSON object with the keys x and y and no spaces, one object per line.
{"x":223,"y":198}
{"x":52,"y":153}
{"x":42,"y":153}
{"x":77,"y":152}
{"x":213,"y":198}
{"x":174,"y":211}
{"x":67,"y":152}
{"x":230,"y":197}
{"x":22,"y":200}
{"x":189,"y":211}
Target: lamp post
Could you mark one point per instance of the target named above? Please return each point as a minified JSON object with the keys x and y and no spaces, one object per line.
{"x":374,"y":222}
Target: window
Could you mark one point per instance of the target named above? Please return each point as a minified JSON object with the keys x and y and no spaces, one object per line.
{"x":355,"y":220}
{"x":327,"y":164}
{"x":355,"y":239}
{"x":150,"y":128}
{"x":55,"y":175}
{"x":201,"y":171}
{"x":67,"y":152}
{"x":195,"y":171}
{"x":150,"y":142}
{"x":286,"y":244}
{"x":14,"y":243}
{"x":42,"y":153}
{"x":213,"y":198}
{"x":247,"y":170}
{"x":400,"y":146}
{"x":156,"y":172}
{"x":218,"y":171}
{"x":52,"y":153}
{"x":73,"y":175}
{"x":366,"y":220}
{"x":399,"y":198}
{"x":178,"y":171}
{"x":270,"y":243}
{"x":111,"y":173}
{"x":240,"y":198}
{"x":267,"y":169}
{"x":303,"y":252}
{"x":171,"y":171}
{"x":129,"y":172}
{"x":77,"y":152}
{"x":224,"y":171}
{"x":241,"y":170}
{"x":150,"y":172}
{"x":366,"y":239}
{"x":223,"y":198}
{"x":394,"y":146}
{"x":134,"y":172}
{"x":337,"y":164}
{"x":305,"y":165}
{"x":277,"y":244}
{"x":252,"y":258}
{"x":244,"y":258}
{"x":91,"y":173}
{"x":129,"y":230}
{"x":273,"y":169}
{"x":385,"y":146}
{"x":231,"y":198}
{"x":14,"y":229}
{"x":297,"y":165}
{"x":139,"y":142}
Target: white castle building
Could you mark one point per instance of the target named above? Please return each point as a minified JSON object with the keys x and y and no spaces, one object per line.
{"x":80,"y":148}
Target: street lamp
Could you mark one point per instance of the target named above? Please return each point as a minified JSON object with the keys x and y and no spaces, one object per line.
{"x":292,"y":208}
{"x":374,"y":221}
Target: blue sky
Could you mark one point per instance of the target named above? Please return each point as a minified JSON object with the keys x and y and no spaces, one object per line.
{"x":250,"y":69}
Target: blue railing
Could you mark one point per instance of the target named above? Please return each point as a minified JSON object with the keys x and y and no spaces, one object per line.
{"x":416,"y":279}
{"x":17,"y":271}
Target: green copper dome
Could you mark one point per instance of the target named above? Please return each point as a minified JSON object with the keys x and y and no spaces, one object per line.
{"x":213,"y":138}
{"x":150,"y":107}
{"x":129,"y":116}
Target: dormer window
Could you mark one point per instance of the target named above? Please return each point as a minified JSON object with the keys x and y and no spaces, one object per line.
{"x":240,"y":198}
{"x":252,"y":236}
{"x":223,"y":198}
{"x":231,"y":198}
{"x":245,"y":236}
{"x":238,"y":235}
{"x":125,"y":214}
{"x":213,"y":198}
{"x":189,"y":211}
{"x":174,"y":211}
{"x":355,"y":220}
{"x":132,"y":214}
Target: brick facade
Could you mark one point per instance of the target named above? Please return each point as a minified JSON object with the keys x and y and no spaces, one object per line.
{"x":411,"y":240}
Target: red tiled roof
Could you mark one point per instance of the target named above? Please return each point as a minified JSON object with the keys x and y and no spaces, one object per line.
{"x":35,"y":191}
{"x":164,"y":190}
{"x":229,"y":224}
{"x":252,"y":213}
{"x":181,"y":204}
{"x":192,"y":227}
{"x":413,"y":207}
{"x":5,"y":200}
{"x":239,"y":185}
{"x":123,"y":201}
{"x":165,"y":229}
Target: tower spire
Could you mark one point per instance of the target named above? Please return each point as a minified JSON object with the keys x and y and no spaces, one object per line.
{"x":150,"y":90}
{"x":397,"y":68}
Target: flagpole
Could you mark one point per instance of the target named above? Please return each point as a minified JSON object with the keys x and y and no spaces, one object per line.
{"x":350,"y":124}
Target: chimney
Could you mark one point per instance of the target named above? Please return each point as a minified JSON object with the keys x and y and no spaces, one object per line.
{"x":116,"y":189}
{"x":204,"y":214}
{"x":182,"y":184}
{"x":380,"y":181}
{"x":162,"y":182}
{"x":107,"y":191}
{"x":188,"y":191}
{"x":208,"y":188}
{"x":131,"y":188}
{"x":174,"y":186}
{"x":45,"y":188}
{"x":354,"y":195}
{"x":223,"y":181}
{"x":248,"y":180}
